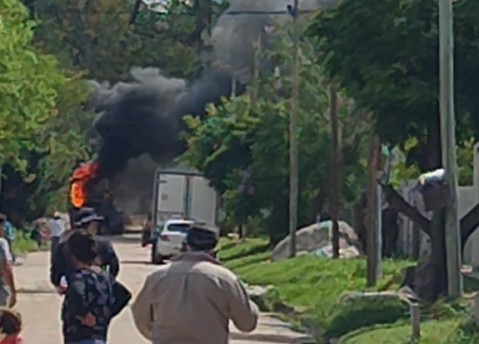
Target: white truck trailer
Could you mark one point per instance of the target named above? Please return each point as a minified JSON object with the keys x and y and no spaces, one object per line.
{"x":184,"y":194}
{"x":180,"y":192}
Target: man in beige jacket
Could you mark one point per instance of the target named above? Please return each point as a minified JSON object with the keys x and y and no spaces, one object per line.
{"x":192,"y":299}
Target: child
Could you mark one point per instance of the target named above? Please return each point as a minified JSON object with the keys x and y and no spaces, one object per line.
{"x":10,"y":326}
{"x":86,"y":311}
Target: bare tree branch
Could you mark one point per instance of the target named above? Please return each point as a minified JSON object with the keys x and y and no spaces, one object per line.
{"x":405,"y":208}
{"x":134,"y":12}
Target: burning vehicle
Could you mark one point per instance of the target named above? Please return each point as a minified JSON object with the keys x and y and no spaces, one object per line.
{"x":139,"y":122}
{"x":89,"y":189}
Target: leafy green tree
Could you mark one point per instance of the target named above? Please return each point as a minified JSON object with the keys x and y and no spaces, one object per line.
{"x":40,"y":134}
{"x":242,"y":145}
{"x":102,"y":39}
{"x":28,"y":85}
{"x":386,"y":58}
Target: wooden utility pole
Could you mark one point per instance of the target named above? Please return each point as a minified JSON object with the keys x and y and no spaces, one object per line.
{"x":1,"y":182}
{"x":373,"y":235}
{"x":293,"y":145}
{"x":204,"y":18}
{"x":335,"y":166}
{"x":448,"y":145}
{"x":256,"y":70}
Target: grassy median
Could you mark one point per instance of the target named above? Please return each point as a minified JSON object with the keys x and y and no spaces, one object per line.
{"x":311,"y":286}
{"x":307,"y":288}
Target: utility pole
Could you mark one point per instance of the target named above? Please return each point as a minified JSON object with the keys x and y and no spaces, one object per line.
{"x":293,"y":145}
{"x":256,"y":72}
{"x":335,"y":162}
{"x":373,"y":232}
{"x":1,"y":183}
{"x":448,"y":145}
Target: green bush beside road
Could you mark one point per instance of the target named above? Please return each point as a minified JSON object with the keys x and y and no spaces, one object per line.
{"x":23,"y":243}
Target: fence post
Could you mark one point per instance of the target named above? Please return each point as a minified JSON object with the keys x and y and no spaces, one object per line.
{"x":415,"y":322}
{"x":475,"y":308}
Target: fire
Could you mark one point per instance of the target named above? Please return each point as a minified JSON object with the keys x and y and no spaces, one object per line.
{"x":80,"y":177}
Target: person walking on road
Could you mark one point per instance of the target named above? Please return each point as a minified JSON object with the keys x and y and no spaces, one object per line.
{"x":10,"y":236}
{"x":8,"y":291}
{"x":87,"y":222}
{"x":86,"y":310}
{"x":56,"y":227}
{"x":192,"y":299}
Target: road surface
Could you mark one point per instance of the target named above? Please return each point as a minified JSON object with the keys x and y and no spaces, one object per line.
{"x":40,"y":306}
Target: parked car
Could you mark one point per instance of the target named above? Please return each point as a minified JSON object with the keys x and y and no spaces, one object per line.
{"x":169,"y":240}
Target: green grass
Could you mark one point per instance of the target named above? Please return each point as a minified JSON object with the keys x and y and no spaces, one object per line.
{"x":311,"y":285}
{"x":458,"y":330}
{"x":432,"y":332}
{"x":23,"y":243}
{"x":442,"y":323}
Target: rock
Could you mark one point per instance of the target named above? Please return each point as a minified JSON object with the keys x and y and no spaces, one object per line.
{"x":256,"y":290}
{"x":349,"y":252}
{"x":233,"y":236}
{"x":258,"y":296}
{"x":315,"y":237}
{"x":402,"y":295}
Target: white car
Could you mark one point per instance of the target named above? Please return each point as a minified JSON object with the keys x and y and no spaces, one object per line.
{"x":170,"y":240}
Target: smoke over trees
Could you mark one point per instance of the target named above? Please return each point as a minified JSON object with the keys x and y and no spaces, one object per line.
{"x":145,"y":116}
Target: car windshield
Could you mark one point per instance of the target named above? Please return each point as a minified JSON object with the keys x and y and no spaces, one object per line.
{"x":178,"y":227}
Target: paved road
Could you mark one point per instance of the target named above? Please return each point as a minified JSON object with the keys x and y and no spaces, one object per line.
{"x":40,"y":305}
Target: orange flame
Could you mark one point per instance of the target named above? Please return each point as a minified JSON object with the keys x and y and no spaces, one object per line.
{"x":80,"y":177}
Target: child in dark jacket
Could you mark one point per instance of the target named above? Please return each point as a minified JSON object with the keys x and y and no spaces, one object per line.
{"x":86,"y":311}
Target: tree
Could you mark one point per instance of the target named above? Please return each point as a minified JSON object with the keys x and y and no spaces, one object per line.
{"x":100,"y":38}
{"x":242,"y":146}
{"x":28,"y":87}
{"x":39,"y":103}
{"x":386,"y":57}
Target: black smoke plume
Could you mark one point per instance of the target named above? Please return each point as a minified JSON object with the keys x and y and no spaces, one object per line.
{"x":140,"y":121}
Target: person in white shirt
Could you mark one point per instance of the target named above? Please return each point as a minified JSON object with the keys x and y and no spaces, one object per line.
{"x":56,"y":226}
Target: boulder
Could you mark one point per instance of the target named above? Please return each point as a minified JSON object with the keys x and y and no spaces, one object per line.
{"x":258,"y":295}
{"x":316,"y":237}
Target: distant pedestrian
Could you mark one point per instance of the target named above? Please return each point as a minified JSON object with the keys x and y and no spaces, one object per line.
{"x":87,"y":306}
{"x":192,"y":299}
{"x":10,"y":326}
{"x":56,"y":227}
{"x":8,"y":291}
{"x":10,"y":236}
